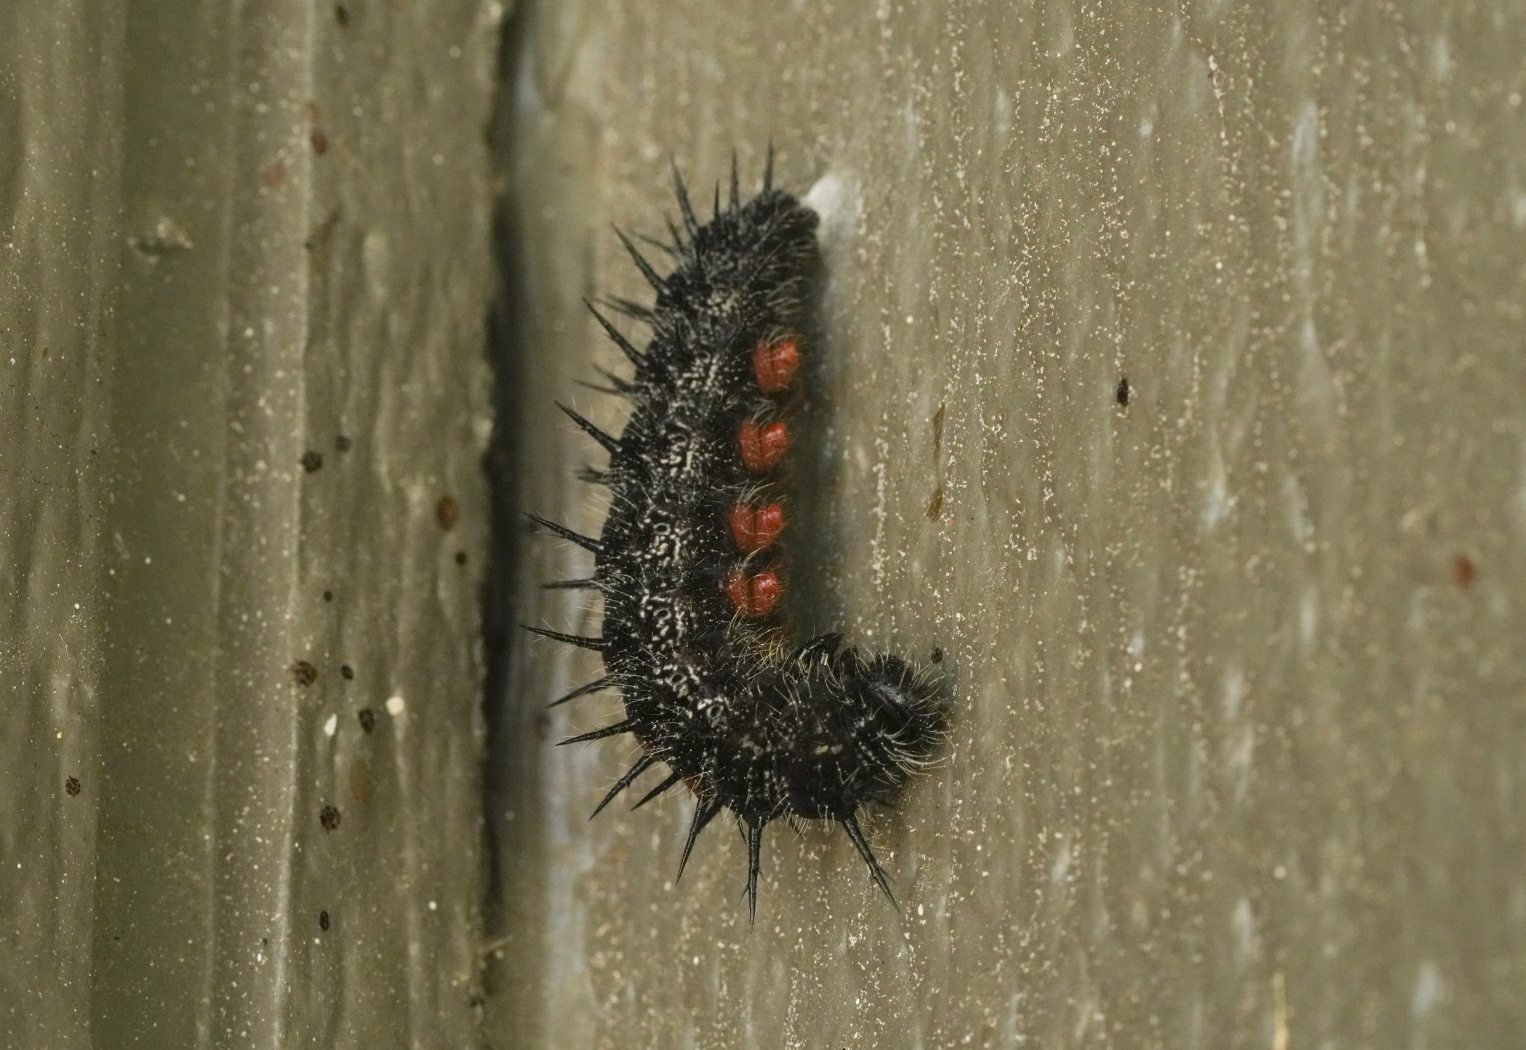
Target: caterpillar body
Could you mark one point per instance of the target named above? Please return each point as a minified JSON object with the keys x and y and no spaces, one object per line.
{"x":688,"y":562}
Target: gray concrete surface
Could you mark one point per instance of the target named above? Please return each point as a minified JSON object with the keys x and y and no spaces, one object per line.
{"x":238,"y":237}
{"x":1239,"y":755}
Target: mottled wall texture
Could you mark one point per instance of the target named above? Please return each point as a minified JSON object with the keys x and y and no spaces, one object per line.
{"x":245,"y":267}
{"x":1239,"y":745}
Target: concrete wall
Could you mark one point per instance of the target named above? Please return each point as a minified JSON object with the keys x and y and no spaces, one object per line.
{"x":1239,"y":748}
{"x":1239,"y":745}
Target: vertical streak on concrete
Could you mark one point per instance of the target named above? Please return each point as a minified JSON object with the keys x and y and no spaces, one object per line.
{"x":255,"y":744}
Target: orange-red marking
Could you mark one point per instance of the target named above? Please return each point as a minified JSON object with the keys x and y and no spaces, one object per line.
{"x":756,"y":528}
{"x":775,"y":365}
{"x":763,"y":446}
{"x":754,"y":596}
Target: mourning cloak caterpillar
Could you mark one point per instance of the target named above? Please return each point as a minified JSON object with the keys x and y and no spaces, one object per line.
{"x":688,"y":562}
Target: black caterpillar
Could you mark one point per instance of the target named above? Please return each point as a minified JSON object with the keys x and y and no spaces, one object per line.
{"x":693,"y":635}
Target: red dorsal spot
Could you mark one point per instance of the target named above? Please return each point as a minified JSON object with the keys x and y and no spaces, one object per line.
{"x":769,"y":523}
{"x":775,"y":365}
{"x":754,"y":596}
{"x":763,"y":446}
{"x":756,"y":528}
{"x":766,"y":592}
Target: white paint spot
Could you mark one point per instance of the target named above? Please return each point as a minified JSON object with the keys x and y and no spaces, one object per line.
{"x":1002,"y":115}
{"x":1242,"y":751}
{"x":1308,"y":618}
{"x":1428,"y":991}
{"x":395,"y":706}
{"x":1298,"y":510}
{"x":836,"y":199}
{"x":1234,"y":691}
{"x":1216,"y":501}
{"x":1308,"y":188}
{"x":331,"y":725}
{"x":1441,"y":58}
{"x":1244,"y":924}
{"x":1061,"y":867}
{"x":482,"y":429}
{"x":376,"y":261}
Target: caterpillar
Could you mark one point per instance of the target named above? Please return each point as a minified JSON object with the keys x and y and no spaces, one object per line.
{"x":689,"y":563}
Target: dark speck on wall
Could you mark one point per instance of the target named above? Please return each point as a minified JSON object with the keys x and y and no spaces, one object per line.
{"x":303,"y":673}
{"x":72,"y":785}
{"x":341,"y":15}
{"x":323,"y":920}
{"x":328,"y":816}
{"x":312,"y":461}
{"x":1463,"y":571}
{"x":1124,"y":390}
{"x":347,"y":671}
{"x":367,"y":719}
{"x":460,"y":557}
{"x":447,"y":512}
{"x":342,"y":443}
{"x":328,"y":596}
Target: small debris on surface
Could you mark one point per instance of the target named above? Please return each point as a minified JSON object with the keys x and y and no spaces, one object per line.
{"x":166,"y":238}
{"x":328,"y":816}
{"x":312,"y":460}
{"x":447,"y":512}
{"x":303,"y":673}
{"x":367,"y":719}
{"x":71,"y":786}
{"x":346,"y":671}
{"x":1463,"y":571}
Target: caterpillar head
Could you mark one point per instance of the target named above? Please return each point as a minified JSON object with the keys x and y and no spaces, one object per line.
{"x":864,"y":723}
